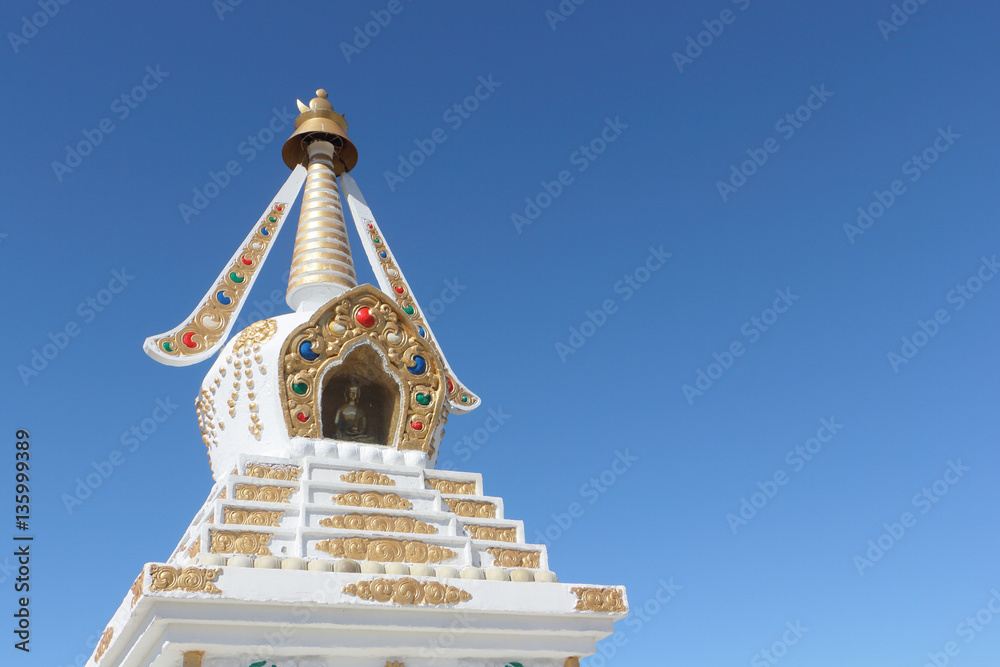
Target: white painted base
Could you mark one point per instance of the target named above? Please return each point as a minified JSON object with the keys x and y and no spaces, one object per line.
{"x":305,"y":619}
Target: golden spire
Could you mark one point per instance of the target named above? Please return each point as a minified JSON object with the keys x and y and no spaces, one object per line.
{"x":322,"y":266}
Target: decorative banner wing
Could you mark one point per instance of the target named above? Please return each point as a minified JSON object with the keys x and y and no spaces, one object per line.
{"x":208,"y":326}
{"x":391,"y":280}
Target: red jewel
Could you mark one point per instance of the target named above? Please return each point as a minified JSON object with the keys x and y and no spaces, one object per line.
{"x":280,"y":208}
{"x":451,"y":387}
{"x":370,"y":226}
{"x":248,"y":262}
{"x":301,"y":417}
{"x":399,"y":289}
{"x":364,"y":317}
{"x":188,"y":339}
{"x":416,"y":426}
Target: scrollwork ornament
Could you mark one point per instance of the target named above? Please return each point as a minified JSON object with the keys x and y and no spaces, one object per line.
{"x":256,"y":333}
{"x":367,"y":477}
{"x":284,"y":473}
{"x":390,"y":551}
{"x":408,"y":591}
{"x":480,"y":509}
{"x":599,"y":599}
{"x":435,"y":593}
{"x":240,"y":542}
{"x":381,"y":590}
{"x":515,"y":557}
{"x":373,"y":499}
{"x":164,"y":578}
{"x":451,"y":487}
{"x":491,"y":533}
{"x":247,"y":517}
{"x":379,"y":522}
{"x":265,"y":494}
{"x":385,"y":550}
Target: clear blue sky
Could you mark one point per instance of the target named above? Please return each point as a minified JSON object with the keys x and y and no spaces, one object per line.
{"x":906,"y":116}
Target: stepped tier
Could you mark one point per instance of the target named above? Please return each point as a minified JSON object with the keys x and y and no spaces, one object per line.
{"x":324,"y":515}
{"x":355,"y":563}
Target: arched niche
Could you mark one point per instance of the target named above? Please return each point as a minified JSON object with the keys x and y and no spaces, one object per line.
{"x":360,"y":399}
{"x":363,"y":316}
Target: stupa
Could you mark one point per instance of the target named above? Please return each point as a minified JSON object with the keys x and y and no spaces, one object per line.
{"x":329,"y":538}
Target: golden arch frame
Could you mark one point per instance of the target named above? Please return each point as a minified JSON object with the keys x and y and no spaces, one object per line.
{"x":363,"y":314}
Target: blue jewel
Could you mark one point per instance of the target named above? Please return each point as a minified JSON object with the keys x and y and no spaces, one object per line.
{"x":305,"y":350}
{"x":419,"y":365}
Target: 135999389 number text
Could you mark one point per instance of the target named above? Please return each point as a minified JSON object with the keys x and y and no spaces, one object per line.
{"x":22,"y":498}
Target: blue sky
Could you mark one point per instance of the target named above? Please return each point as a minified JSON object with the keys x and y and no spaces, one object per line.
{"x":745,"y":158}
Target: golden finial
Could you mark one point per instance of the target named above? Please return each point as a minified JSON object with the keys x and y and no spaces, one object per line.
{"x":318,"y":120}
{"x":319,"y":102}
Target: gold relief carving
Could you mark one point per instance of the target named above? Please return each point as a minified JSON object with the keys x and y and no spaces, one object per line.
{"x":407,"y":591}
{"x":572,"y":662}
{"x":284,"y":473}
{"x":255,"y":427}
{"x":448,"y":486}
{"x":394,"y":663}
{"x":338,"y":328}
{"x":258,"y":332}
{"x":103,"y":645}
{"x":382,"y":522}
{"x":491,"y":533}
{"x":264,"y":494}
{"x":479,"y":509}
{"x":240,"y":542}
{"x":210,"y":321}
{"x":599,"y":599}
{"x":195,"y":548}
{"x":389,"y":501}
{"x":367,"y":477}
{"x":205,"y":409}
{"x":188,"y":579}
{"x":515,"y":557}
{"x":222,"y":496}
{"x":385,"y":550}
{"x":245,"y":517}
{"x":137,"y":587}
{"x":244,"y":360}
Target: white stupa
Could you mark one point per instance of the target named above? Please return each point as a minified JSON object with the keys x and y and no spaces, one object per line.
{"x":329,"y":539}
